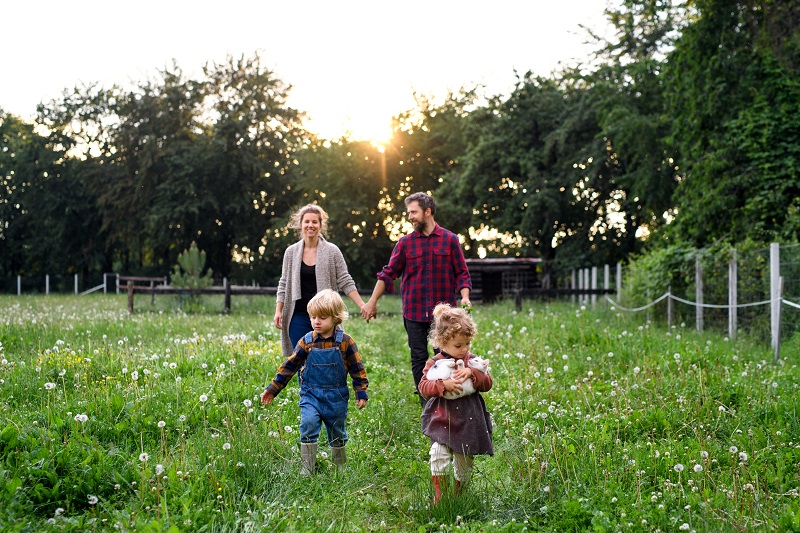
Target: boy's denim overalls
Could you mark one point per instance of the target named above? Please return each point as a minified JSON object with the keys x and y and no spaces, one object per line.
{"x":324,"y":393}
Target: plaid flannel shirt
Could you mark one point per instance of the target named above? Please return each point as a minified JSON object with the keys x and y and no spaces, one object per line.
{"x":433,"y":271}
{"x":351,"y":359}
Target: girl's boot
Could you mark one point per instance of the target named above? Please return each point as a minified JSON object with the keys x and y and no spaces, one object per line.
{"x":308,"y":458}
{"x":339,"y":456}
{"x":438,"y":481}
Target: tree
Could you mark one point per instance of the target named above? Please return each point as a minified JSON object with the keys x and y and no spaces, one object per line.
{"x":176,"y":160}
{"x":47,"y":214}
{"x":190,"y":272}
{"x":734,"y":98}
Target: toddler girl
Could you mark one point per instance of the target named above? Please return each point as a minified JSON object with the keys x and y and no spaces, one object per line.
{"x":460,"y":428}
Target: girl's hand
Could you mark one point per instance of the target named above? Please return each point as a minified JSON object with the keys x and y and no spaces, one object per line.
{"x":462,"y":374}
{"x":451,"y":385}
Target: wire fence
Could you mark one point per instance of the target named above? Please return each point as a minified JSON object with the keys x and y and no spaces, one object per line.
{"x":755,"y":291}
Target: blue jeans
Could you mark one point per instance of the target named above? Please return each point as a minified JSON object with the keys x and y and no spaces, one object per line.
{"x":299,"y":325}
{"x":324,"y":395}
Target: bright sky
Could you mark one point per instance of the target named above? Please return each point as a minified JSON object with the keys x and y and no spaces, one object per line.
{"x":353,"y":64}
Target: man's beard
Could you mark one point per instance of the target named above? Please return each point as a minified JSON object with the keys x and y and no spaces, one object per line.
{"x":420,"y":226}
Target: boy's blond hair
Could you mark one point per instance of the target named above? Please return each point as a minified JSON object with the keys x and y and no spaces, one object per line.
{"x":328,"y":303}
{"x":448,"y":322}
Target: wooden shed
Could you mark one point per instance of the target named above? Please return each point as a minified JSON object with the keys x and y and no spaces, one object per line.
{"x":508,"y":278}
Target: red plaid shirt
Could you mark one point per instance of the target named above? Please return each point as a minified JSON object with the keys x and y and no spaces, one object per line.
{"x":433,"y":271}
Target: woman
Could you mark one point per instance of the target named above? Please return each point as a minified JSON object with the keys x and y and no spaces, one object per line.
{"x":309,"y":266}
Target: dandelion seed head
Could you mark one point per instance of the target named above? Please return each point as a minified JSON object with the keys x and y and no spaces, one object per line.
{"x":742,"y":456}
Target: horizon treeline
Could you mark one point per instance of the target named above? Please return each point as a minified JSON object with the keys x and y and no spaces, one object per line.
{"x":682,"y":131}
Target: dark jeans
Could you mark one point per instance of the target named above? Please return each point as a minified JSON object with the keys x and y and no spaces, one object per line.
{"x":418,"y":345}
{"x":298,"y":327}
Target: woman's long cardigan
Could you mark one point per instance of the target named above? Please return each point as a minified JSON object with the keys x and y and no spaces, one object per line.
{"x":331,"y":273}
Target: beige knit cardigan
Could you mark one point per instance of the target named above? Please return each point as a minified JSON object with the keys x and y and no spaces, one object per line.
{"x":331,"y":272}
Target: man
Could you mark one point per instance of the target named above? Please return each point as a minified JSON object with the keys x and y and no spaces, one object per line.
{"x":433,"y":270}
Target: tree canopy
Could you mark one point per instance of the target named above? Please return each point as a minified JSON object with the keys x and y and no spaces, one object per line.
{"x":682,"y":129}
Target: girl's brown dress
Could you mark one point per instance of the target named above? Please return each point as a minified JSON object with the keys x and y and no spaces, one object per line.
{"x":463,"y":425}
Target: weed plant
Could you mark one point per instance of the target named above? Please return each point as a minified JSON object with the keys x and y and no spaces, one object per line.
{"x":602,"y":422}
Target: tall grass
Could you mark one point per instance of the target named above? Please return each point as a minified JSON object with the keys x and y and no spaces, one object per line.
{"x":151,"y":421}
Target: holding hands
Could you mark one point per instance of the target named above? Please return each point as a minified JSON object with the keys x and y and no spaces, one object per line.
{"x":369,"y":310}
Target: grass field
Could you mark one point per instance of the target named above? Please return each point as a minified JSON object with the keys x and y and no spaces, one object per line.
{"x":151,"y":422}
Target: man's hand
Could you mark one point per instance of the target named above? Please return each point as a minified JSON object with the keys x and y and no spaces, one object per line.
{"x":361,"y":403}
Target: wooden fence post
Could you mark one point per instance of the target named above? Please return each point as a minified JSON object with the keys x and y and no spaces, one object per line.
{"x":19,"y":285}
{"x":572,"y":285}
{"x":594,"y":286}
{"x":698,"y":293}
{"x":606,"y":281}
{"x":47,"y":283}
{"x":130,"y":296}
{"x":669,"y":308}
{"x":733,"y":294}
{"x":775,"y":293}
{"x":586,"y":285}
{"x":780,"y":307}
{"x":76,"y":284}
{"x":619,"y":282}
{"x":227,"y":295}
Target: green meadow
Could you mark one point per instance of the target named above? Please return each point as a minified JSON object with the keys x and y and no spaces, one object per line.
{"x":602,"y":422}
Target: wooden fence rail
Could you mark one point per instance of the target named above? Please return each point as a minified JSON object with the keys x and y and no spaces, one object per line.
{"x":226,"y":290}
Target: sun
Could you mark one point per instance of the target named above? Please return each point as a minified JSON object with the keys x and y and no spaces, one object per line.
{"x":355,"y":126}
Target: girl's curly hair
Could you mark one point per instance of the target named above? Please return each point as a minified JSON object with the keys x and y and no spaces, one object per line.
{"x":448,"y":322}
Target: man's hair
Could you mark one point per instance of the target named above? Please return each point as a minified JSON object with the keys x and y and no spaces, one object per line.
{"x":328,"y":303}
{"x":425,"y":201}
{"x":296,"y":221}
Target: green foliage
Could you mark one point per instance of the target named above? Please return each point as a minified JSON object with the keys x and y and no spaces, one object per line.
{"x":733,"y":97}
{"x":681,"y":129}
{"x":48,"y":217}
{"x":188,"y":273}
{"x":177,"y":159}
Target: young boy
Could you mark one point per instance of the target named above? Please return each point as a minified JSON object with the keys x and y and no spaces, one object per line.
{"x":324,"y":357}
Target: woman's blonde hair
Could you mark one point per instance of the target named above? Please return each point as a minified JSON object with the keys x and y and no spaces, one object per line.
{"x":328,"y":303}
{"x":296,"y":221}
{"x":448,"y":322}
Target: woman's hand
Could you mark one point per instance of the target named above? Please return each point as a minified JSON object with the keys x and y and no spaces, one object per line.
{"x":278,"y":319}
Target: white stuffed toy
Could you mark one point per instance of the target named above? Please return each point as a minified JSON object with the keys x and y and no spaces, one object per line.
{"x":444,"y":368}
